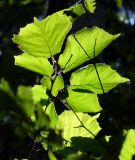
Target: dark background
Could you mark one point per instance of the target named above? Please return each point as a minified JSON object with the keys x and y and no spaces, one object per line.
{"x":119,"y":104}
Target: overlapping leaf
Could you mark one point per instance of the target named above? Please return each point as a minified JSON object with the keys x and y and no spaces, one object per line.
{"x":82,"y":100}
{"x":37,"y":64}
{"x":39,"y":93}
{"x":74,"y":12}
{"x":51,"y":112}
{"x":85,"y":39}
{"x":24,"y":100}
{"x":57,"y":85}
{"x":46,"y":81}
{"x":71,"y":126}
{"x":87,"y":78}
{"x":44,"y":38}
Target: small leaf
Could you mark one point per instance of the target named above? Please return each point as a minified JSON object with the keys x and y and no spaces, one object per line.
{"x":42,"y":120}
{"x":74,"y":12}
{"x":87,"y":78}
{"x":90,"y":5}
{"x":46,"y":81}
{"x":86,"y":38}
{"x":128,"y":148}
{"x":119,"y":3}
{"x":57,"y":85}
{"x":24,"y":100}
{"x":51,"y":155}
{"x":44,"y":38}
{"x":37,"y":64}
{"x":70,"y":125}
{"x":51,"y":112}
{"x":4,"y":86}
{"x":39,"y":93}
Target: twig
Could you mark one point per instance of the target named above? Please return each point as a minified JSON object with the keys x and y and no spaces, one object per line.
{"x":30,"y":154}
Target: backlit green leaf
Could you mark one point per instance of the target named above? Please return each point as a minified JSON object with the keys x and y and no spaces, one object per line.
{"x":74,"y":12}
{"x":44,"y":38}
{"x":39,"y":93}
{"x":86,"y":38}
{"x":51,"y":112}
{"x":24,"y":100}
{"x":46,"y":81}
{"x":90,"y":5}
{"x":82,"y":100}
{"x":71,"y":126}
{"x":57,"y":85}
{"x":128,"y":148}
{"x":37,"y":64}
{"x":87,"y":78}
{"x":51,"y":155}
{"x":5,"y":87}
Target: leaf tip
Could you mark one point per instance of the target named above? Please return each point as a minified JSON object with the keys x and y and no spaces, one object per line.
{"x":35,"y":20}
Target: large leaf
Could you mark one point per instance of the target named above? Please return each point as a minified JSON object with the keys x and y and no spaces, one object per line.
{"x":57,"y":85}
{"x":74,"y":54}
{"x":44,"y":38}
{"x":82,"y":100}
{"x":87,"y":78}
{"x":71,"y":126}
{"x":37,"y":64}
{"x":128,"y":148}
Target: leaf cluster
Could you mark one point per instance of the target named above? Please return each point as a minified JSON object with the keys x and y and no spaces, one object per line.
{"x":51,"y":50}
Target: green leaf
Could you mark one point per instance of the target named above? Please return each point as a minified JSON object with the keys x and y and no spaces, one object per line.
{"x":4,"y":86}
{"x":24,"y":100}
{"x":89,"y":145}
{"x":128,"y":148}
{"x":57,"y":85}
{"x":86,"y":37}
{"x":39,"y":93}
{"x":87,"y":78}
{"x":42,"y":120}
{"x":51,"y":112}
{"x":74,"y":12}
{"x":46,"y":81}
{"x":71,"y":126}
{"x":82,"y":100}
{"x":90,"y":5}
{"x":51,"y":155}
{"x":44,"y":38}
{"x":119,"y":3}
{"x":37,"y":64}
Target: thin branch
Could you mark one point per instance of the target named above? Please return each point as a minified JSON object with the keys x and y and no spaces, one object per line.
{"x":33,"y":147}
{"x":65,"y":64}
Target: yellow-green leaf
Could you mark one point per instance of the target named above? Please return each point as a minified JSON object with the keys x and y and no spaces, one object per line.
{"x":74,"y":54}
{"x":71,"y":126}
{"x":37,"y":64}
{"x":44,"y":38}
{"x":87,"y":78}
{"x":82,"y":100}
